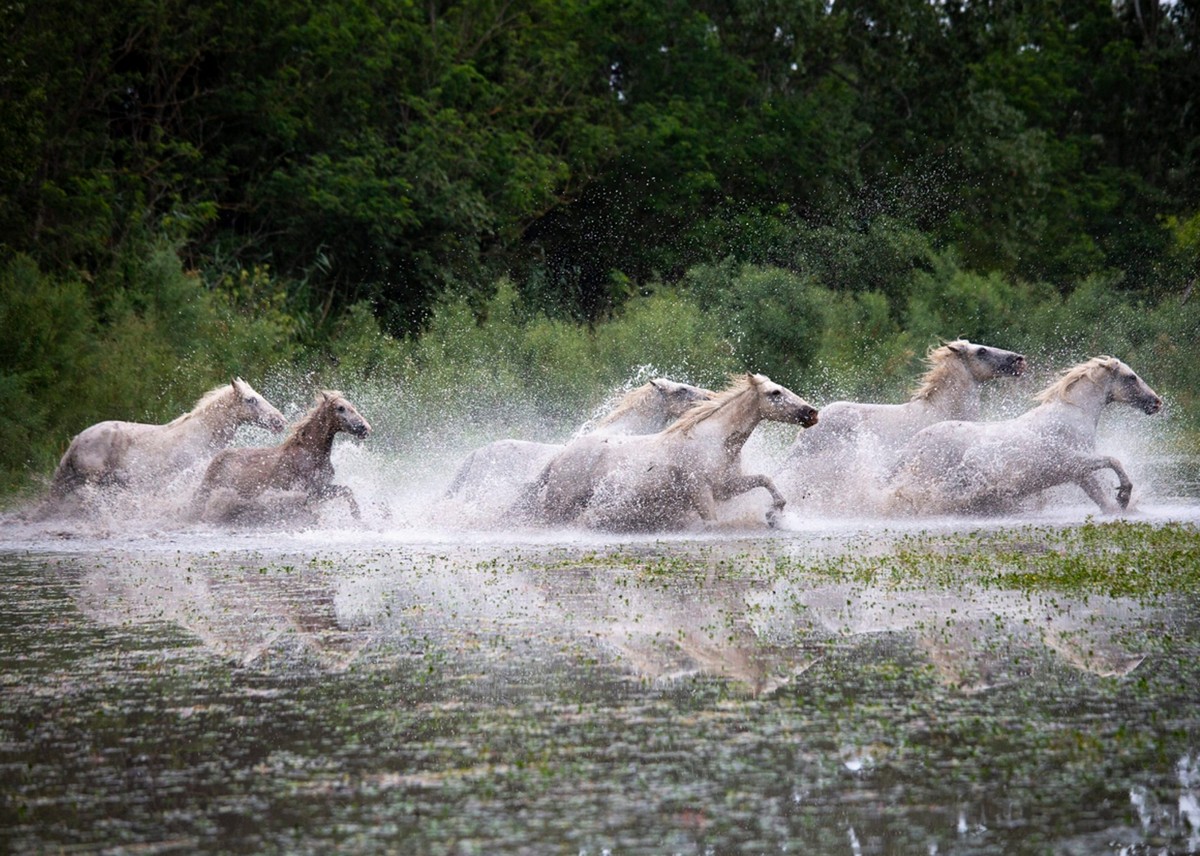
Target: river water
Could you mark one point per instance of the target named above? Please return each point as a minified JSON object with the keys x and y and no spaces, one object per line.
{"x":850,"y":686}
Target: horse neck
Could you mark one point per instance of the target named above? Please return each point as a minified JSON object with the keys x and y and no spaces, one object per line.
{"x":214,"y":423}
{"x":955,"y":393}
{"x":638,"y":417}
{"x":315,"y":435}
{"x":734,"y":423}
{"x":1089,"y":396}
{"x":636,"y":420}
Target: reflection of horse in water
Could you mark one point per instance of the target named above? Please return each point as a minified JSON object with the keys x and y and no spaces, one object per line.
{"x":988,"y":467}
{"x":240,"y":612}
{"x":494,"y":474}
{"x":974,"y":639}
{"x":299,"y":465}
{"x":659,"y":481}
{"x":137,"y":455}
{"x":855,"y":442}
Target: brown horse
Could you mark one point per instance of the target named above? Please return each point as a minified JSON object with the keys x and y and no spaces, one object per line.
{"x":299,"y":464}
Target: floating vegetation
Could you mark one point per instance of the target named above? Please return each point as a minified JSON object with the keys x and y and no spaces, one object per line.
{"x":1018,"y":689}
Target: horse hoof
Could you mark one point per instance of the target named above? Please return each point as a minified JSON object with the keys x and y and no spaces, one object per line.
{"x":772,"y":519}
{"x":1123,"y":494}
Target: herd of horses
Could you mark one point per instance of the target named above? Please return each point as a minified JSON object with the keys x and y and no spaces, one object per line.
{"x":669,"y":455}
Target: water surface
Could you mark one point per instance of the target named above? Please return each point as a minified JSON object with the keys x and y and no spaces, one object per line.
{"x":836,"y":687}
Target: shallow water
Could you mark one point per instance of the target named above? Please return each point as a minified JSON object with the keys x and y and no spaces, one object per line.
{"x":837,"y":686}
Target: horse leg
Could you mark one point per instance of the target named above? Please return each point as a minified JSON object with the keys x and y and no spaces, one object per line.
{"x":739,"y":484}
{"x":705,"y":502}
{"x":1095,"y":490}
{"x":332,"y":491}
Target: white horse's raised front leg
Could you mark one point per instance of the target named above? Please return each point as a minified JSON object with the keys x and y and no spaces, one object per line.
{"x":1097,"y":492}
{"x":741,"y":484}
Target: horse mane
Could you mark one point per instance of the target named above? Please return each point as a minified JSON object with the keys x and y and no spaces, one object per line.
{"x":940,"y":359}
{"x":632,"y":400}
{"x":319,"y":402}
{"x":739,"y":385}
{"x":204,"y":403}
{"x":1058,"y":390}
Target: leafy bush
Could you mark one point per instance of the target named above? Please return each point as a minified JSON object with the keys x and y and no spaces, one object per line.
{"x":773,"y":319}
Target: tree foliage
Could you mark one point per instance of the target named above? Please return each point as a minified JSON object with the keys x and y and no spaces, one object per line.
{"x":240,"y":180}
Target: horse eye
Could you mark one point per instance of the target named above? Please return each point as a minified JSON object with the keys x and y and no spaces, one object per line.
{"x":983,"y":352}
{"x":775,"y":393}
{"x":250,"y":401}
{"x":341,"y":408}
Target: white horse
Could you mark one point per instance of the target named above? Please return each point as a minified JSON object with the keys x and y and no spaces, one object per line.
{"x":988,"y":467}
{"x":659,"y":481}
{"x":299,"y":465}
{"x":137,"y":455}
{"x":495,"y":474}
{"x":856,"y":443}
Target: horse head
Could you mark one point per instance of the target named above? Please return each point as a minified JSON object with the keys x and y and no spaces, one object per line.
{"x":986,"y":363}
{"x":253,"y":408}
{"x":346,"y":417}
{"x":1125,"y":385}
{"x":779,"y":404}
{"x":678,"y":397}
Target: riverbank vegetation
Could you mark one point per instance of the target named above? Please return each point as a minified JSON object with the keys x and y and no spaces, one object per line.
{"x":537,"y":200}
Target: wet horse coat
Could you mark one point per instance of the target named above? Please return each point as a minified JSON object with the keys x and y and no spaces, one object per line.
{"x":496,"y":473}
{"x":301,"y":464}
{"x":838,"y":461}
{"x":662,"y":481}
{"x":138,"y":455}
{"x":988,"y":467}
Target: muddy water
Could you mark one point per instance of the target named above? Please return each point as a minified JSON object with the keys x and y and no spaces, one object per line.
{"x":848,"y":688}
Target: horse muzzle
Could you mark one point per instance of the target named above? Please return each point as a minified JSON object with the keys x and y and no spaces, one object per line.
{"x":361,"y":431}
{"x":274,"y":424}
{"x":1016,"y":366}
{"x":808,"y":417}
{"x":1152,"y":405}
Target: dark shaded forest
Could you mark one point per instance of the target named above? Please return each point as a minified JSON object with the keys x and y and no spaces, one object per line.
{"x":568,"y":189}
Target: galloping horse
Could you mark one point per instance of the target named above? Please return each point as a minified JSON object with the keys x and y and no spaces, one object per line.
{"x":301,"y":463}
{"x":856,"y":443}
{"x":658,"y":481}
{"x":988,"y":467}
{"x":495,"y":473}
{"x":134,"y":454}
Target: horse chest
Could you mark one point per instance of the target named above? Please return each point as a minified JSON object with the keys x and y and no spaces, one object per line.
{"x":300,"y":468}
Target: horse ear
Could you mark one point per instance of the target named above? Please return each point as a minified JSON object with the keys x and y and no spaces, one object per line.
{"x":956,"y":346}
{"x":658,"y":383}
